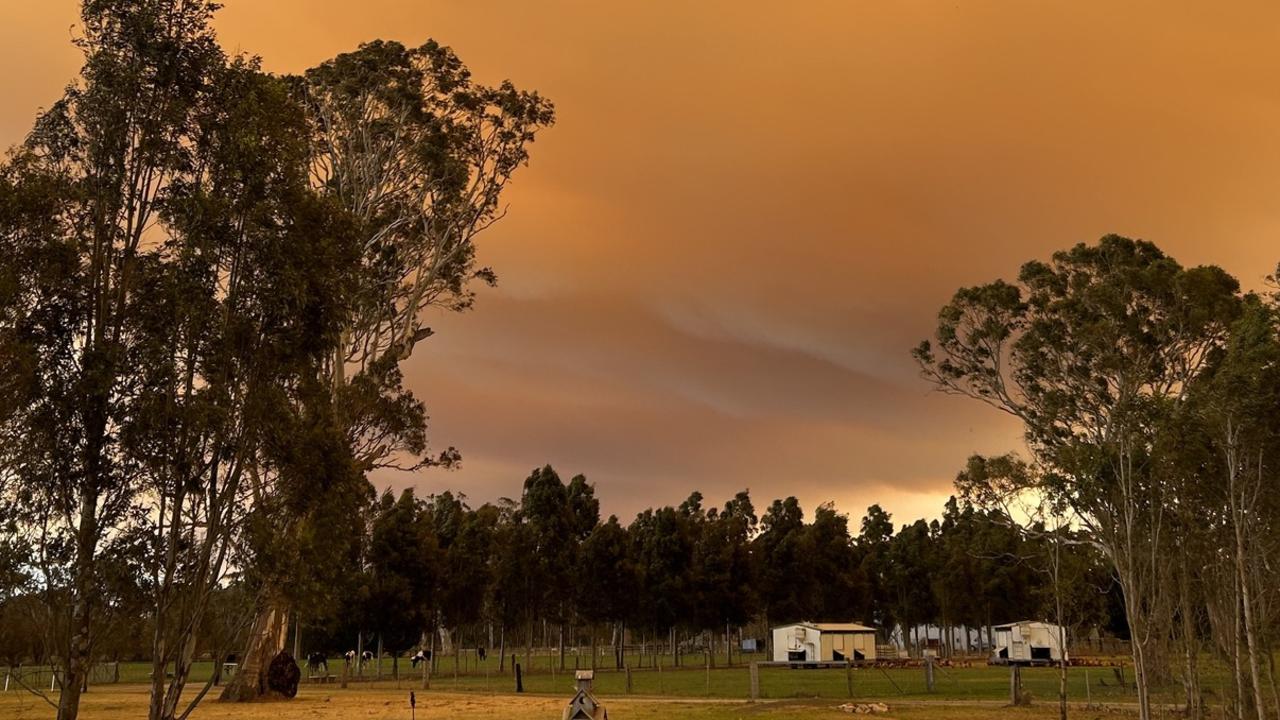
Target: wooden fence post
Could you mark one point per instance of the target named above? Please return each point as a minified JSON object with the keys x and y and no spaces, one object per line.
{"x":519,"y":679}
{"x":928,"y":673}
{"x":755,"y":681}
{"x":628,"y":679}
{"x":848,"y":675}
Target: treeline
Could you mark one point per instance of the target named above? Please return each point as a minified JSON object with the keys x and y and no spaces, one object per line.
{"x":546,"y":571}
{"x":1149,"y":394}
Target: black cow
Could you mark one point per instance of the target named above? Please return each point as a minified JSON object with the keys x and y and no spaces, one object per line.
{"x":316,"y":662}
{"x":481,"y":653}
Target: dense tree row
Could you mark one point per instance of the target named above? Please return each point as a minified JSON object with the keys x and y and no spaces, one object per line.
{"x":546,"y":570}
{"x":1149,"y":395}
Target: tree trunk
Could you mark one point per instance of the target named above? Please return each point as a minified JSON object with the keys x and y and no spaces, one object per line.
{"x":1246,"y":601}
{"x":1190,"y":647}
{"x":1236,"y":656}
{"x":1136,"y":634}
{"x":728,"y":645}
{"x":266,"y":640}
{"x":434,"y":662}
{"x":168,"y":708}
{"x":528,"y":649}
{"x":620,"y":647}
{"x":77,"y":659}
{"x":502,"y":648}
{"x":1271,"y":676}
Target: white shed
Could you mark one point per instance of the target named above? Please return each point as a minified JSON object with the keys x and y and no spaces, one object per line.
{"x":1028,"y":641}
{"x":823,"y":642}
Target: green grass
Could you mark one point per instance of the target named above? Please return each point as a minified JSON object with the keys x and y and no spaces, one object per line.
{"x":977,"y":683}
{"x":541,"y":674}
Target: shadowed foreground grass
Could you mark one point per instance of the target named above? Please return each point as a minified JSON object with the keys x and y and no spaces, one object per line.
{"x":128,"y":702}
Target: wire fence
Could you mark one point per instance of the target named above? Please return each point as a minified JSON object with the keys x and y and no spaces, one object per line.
{"x":46,"y":677}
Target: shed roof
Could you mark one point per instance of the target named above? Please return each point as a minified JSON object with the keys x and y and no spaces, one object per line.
{"x":1023,"y":622}
{"x":830,"y":627}
{"x":844,"y":628}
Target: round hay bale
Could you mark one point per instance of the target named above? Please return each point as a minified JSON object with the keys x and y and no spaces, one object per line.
{"x":283,"y":675}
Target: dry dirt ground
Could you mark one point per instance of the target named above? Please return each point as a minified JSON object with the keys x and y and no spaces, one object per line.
{"x":129,"y":702}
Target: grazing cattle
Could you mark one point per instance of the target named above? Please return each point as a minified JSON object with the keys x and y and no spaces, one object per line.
{"x":481,"y":653}
{"x":317,"y":662}
{"x":421,"y":656}
{"x":350,"y":657}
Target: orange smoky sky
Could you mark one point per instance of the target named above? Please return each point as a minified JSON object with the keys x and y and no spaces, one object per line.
{"x":747,"y":213}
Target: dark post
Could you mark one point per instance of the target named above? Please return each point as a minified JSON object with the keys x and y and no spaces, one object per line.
{"x":848,"y":675}
{"x":707,"y":658}
{"x":1015,"y":684}
{"x":628,"y":679}
{"x":519,"y":678}
{"x":755,"y":681}
{"x":928,"y":672}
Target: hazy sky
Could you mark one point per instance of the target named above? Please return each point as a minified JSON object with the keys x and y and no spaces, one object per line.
{"x":746,"y":214}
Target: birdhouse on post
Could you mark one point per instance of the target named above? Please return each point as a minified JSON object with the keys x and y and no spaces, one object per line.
{"x":584,"y":705}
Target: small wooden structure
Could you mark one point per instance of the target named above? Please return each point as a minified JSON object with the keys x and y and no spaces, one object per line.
{"x":823,"y":643}
{"x":1027,"y":642}
{"x":584,"y":705}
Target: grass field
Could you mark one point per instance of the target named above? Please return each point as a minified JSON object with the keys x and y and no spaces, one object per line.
{"x":129,"y":701}
{"x":693,"y":681}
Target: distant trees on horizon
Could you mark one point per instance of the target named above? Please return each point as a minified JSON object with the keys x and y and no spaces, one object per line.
{"x":504,"y":574}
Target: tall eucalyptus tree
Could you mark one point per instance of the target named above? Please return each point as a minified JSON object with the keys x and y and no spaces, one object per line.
{"x":1087,"y":351}
{"x":418,"y":154}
